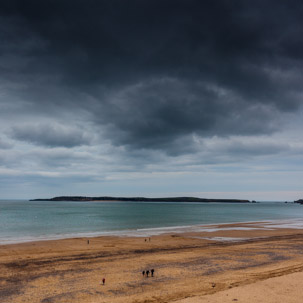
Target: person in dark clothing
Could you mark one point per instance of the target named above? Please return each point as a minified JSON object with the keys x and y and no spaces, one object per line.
{"x":152,"y":272}
{"x":143,"y":273}
{"x":147,"y":273}
{"x":103,"y":281}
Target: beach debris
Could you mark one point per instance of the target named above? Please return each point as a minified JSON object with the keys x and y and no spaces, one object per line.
{"x":213,"y":285}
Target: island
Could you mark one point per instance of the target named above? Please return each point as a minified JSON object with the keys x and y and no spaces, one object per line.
{"x":140,"y":199}
{"x":300,"y":201}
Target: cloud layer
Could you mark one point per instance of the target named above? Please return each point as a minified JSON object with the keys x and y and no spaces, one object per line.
{"x":148,"y":82}
{"x":50,"y":135}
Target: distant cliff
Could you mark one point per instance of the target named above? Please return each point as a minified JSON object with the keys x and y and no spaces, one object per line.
{"x":141,"y":199}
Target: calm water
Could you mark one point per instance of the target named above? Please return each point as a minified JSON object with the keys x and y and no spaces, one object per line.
{"x":22,"y":221}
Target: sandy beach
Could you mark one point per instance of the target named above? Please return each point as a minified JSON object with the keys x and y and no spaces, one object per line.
{"x":246,"y":262}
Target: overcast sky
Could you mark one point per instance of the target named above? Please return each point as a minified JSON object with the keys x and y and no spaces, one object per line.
{"x":151,"y":98}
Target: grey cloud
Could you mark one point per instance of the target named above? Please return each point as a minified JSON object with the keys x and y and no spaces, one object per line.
{"x":164,"y":113}
{"x":5,"y":145}
{"x":51,"y":135}
{"x":58,"y":155}
{"x":247,"y":147}
{"x":255,"y":149}
{"x":152,"y":74}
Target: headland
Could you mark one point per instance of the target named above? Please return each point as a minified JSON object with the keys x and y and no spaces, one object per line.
{"x":141,"y":199}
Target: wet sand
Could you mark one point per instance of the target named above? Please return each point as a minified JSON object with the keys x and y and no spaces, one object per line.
{"x":261,"y":264}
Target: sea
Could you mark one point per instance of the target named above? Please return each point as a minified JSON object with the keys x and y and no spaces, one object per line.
{"x":24,"y":221}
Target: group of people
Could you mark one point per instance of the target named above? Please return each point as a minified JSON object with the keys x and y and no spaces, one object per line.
{"x":146,"y":273}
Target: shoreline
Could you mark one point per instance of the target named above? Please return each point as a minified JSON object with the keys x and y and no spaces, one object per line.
{"x":168,"y":230}
{"x":189,"y":267}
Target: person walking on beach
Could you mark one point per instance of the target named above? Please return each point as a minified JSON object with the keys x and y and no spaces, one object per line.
{"x":147,"y":273}
{"x":143,"y":273}
{"x":152,"y":272}
{"x":103,"y":281}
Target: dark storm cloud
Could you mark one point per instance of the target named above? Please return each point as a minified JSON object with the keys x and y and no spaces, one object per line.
{"x":154,"y":73}
{"x":50,"y":135}
{"x":160,"y":112}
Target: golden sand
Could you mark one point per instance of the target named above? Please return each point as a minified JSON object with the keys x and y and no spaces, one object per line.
{"x":265,"y":266}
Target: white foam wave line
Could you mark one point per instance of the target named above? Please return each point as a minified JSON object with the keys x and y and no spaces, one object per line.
{"x":224,"y":239}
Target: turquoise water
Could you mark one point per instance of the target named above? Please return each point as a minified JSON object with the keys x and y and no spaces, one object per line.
{"x":22,"y":221}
